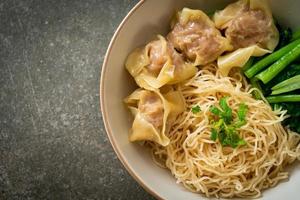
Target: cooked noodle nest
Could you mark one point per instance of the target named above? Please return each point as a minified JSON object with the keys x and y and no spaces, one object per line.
{"x":203,"y":165}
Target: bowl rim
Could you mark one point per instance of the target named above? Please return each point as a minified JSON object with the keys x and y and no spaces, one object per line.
{"x":105,"y":113}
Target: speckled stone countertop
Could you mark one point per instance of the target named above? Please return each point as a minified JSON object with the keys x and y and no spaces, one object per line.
{"x":52,"y":140}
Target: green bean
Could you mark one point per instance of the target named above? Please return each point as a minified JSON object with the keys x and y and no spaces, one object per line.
{"x":268,"y":74}
{"x":265,"y":62}
{"x":283,"y":98}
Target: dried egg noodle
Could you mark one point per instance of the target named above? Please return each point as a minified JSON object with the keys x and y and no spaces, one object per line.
{"x":203,"y":165}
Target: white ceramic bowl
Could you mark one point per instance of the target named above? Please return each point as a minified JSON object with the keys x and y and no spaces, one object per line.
{"x":147,"y":19}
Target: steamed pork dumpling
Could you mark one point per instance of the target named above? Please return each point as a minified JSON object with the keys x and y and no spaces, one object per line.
{"x":194,"y":34}
{"x":158,"y":64}
{"x":249,"y":27}
{"x":153,"y":113}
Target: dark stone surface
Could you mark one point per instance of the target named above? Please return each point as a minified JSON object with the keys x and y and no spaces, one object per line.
{"x":52,"y":141}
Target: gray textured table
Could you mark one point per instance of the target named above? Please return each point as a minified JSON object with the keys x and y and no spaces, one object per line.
{"x":52,"y":141}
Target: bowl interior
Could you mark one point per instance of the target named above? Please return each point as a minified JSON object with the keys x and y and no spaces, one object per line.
{"x":146,"y":20}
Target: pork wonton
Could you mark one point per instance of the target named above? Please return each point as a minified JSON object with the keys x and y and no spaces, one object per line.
{"x":158,"y":64}
{"x":249,"y":27}
{"x":195,"y":35}
{"x":154,"y":113}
